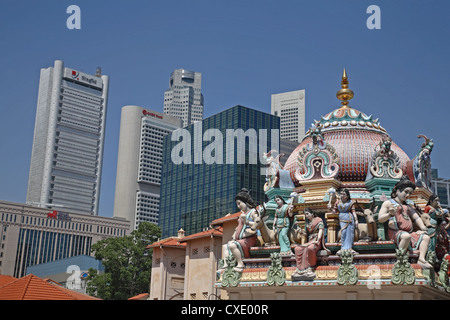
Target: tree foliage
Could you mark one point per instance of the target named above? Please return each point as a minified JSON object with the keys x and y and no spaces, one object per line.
{"x":127,"y":264}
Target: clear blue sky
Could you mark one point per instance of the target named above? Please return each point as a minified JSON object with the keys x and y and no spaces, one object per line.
{"x":246,"y":50}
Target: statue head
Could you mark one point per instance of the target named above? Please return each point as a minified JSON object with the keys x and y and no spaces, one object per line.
{"x":345,"y":192}
{"x":432,"y":198}
{"x":244,"y":196}
{"x":404,"y":183}
{"x":278,"y":198}
{"x":308,"y":212}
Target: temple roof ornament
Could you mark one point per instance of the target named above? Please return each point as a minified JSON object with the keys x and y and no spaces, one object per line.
{"x":354,"y":136}
{"x":345,"y":93}
{"x":385,"y":162}
{"x":345,"y":116}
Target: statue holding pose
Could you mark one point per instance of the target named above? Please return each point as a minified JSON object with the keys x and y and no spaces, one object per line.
{"x":422,"y":164}
{"x":282,"y":224}
{"x":433,"y":214}
{"x":402,"y":217}
{"x":348,"y":220}
{"x":306,"y":254}
{"x":243,"y":237}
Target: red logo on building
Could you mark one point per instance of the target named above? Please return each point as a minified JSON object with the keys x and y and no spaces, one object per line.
{"x":53,"y":214}
{"x":59,"y":215}
{"x":148,"y":113}
{"x":75,"y":75}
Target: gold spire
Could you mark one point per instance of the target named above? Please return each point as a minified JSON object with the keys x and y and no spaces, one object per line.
{"x":344,"y":94}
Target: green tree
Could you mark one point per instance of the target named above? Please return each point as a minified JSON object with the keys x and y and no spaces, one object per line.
{"x":127,"y":264}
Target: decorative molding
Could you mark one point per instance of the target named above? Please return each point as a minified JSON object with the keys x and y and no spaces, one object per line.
{"x":276,"y":274}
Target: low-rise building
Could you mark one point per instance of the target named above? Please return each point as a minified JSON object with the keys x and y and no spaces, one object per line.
{"x":168,"y":268}
{"x":30,"y":235}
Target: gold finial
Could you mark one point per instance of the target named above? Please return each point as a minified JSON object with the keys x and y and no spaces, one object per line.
{"x":344,"y":94}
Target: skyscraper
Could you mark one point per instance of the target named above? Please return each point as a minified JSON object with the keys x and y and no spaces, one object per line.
{"x":139,"y":163}
{"x":290,"y":107}
{"x":184,"y":98}
{"x":192,"y":195}
{"x":66,"y":158}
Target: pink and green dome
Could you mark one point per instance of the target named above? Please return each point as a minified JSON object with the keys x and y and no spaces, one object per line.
{"x":353,"y":134}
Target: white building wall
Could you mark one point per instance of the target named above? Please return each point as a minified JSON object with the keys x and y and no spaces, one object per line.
{"x":139,"y":163}
{"x":66,"y":161}
{"x":290,"y":107}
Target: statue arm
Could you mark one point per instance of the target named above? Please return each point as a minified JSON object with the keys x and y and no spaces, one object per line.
{"x":353,"y":211}
{"x":291,"y":210}
{"x":418,"y":221}
{"x":386,"y":212}
{"x":319,"y":236}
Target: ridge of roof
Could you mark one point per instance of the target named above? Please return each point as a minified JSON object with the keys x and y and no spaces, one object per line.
{"x":213,"y":232}
{"x":139,"y":296}
{"x":25,"y":287}
{"x":167,"y":242}
{"x":31,"y":287}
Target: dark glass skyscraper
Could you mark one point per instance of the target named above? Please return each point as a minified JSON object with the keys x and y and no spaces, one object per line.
{"x":194,"y":193}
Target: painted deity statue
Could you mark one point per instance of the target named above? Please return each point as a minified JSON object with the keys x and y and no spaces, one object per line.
{"x":422,"y":164}
{"x":282,"y":224}
{"x":243,"y":237}
{"x":434,"y":213}
{"x":342,"y":203}
{"x":306,"y":254}
{"x":272,"y":171}
{"x":402,"y":217}
{"x":443,"y":239}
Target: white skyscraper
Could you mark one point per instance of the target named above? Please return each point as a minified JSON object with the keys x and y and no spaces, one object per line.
{"x":290,"y":107}
{"x":139,"y":163}
{"x":66,"y":159}
{"x":184,"y":99}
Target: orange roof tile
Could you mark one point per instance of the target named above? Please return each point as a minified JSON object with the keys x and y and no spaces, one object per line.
{"x":228,"y":217}
{"x":168,"y":242}
{"x":6,"y":279}
{"x":142,"y":296}
{"x":218,"y":232}
{"x":32,"y":287}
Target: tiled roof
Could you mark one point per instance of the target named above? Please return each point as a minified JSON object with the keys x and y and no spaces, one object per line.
{"x":6,"y":279}
{"x":207,"y":233}
{"x":228,"y":217}
{"x":168,"y":242}
{"x":32,"y":287}
{"x":142,"y":296}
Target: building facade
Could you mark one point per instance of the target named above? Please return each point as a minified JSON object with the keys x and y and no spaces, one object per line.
{"x":290,"y":107}
{"x":201,"y":186}
{"x":184,"y":98}
{"x":66,"y":158}
{"x":168,"y":268}
{"x":139,"y":161}
{"x":31,"y":235}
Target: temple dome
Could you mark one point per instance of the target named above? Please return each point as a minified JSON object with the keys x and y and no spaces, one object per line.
{"x":353,"y":134}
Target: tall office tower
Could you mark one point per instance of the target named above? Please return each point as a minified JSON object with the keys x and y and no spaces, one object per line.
{"x":192,"y":195}
{"x":290,"y":107}
{"x":184,"y":98}
{"x":139,"y":163}
{"x":66,"y":159}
